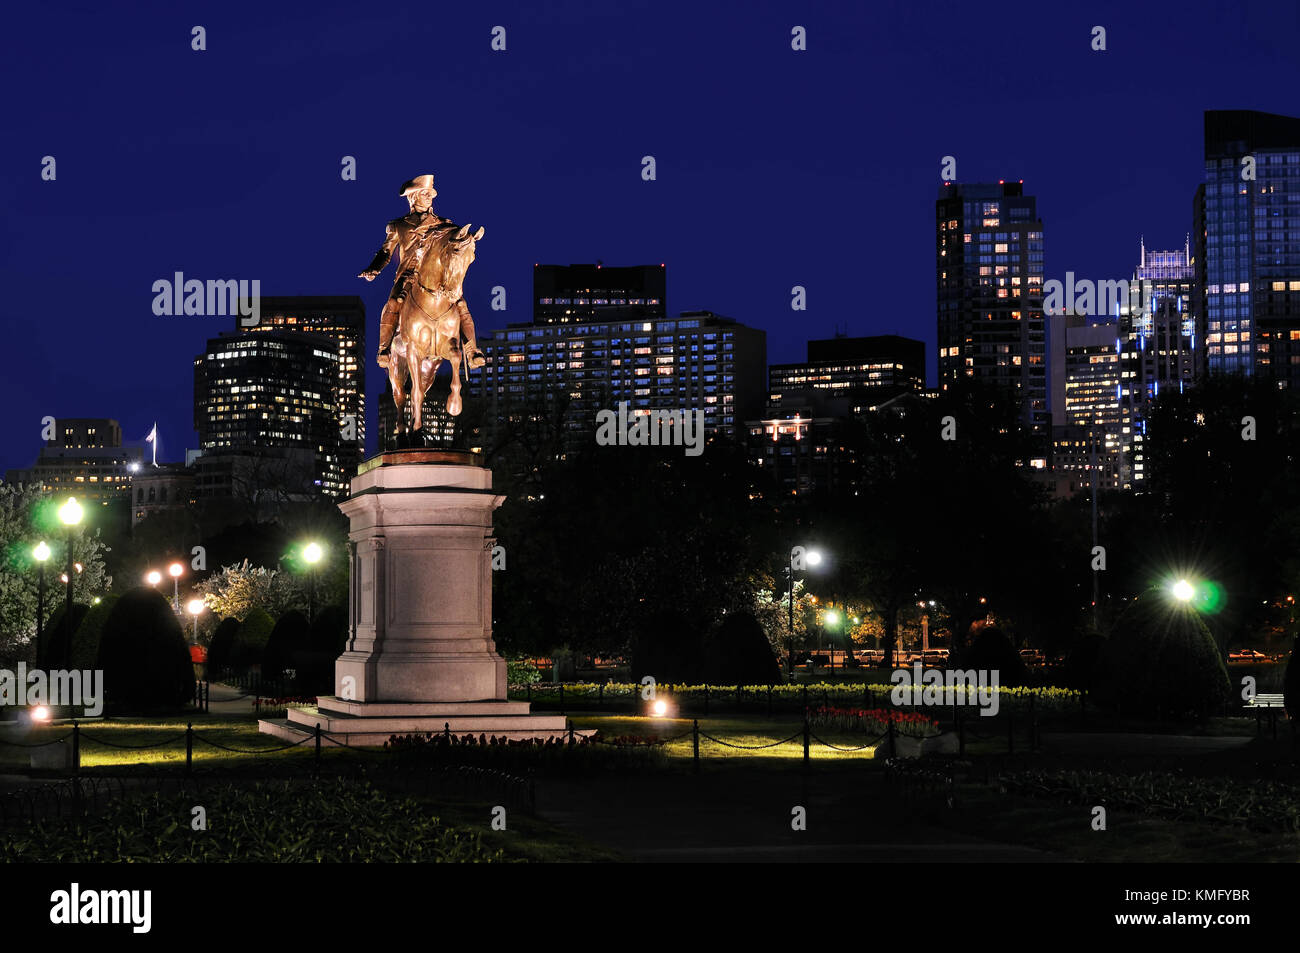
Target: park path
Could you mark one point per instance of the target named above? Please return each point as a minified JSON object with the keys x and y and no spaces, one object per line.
{"x":742,"y":815}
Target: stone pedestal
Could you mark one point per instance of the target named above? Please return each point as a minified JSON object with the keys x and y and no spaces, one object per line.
{"x":420,"y":655}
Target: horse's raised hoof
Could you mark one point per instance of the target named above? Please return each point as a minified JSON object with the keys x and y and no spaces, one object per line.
{"x":454,"y":405}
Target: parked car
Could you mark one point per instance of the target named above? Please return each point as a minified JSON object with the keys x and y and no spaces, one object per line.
{"x":1247,"y":655}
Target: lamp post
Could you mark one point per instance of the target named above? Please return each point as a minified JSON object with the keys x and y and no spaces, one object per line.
{"x":153,"y":577}
{"x":812,"y":558}
{"x":831,"y":619}
{"x":312,"y":554}
{"x":195,"y":607}
{"x":70,"y":513}
{"x":41,"y":553}
{"x":175,"y":570}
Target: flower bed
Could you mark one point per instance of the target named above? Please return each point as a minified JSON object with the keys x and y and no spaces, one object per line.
{"x":875,"y":721}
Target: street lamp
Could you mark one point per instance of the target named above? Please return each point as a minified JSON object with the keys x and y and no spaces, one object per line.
{"x":153,"y":577}
{"x":830,"y":620}
{"x":41,"y":554}
{"x":70,"y":514}
{"x":1183,"y":590}
{"x":175,"y":570}
{"x":195,"y":607}
{"x":812,"y":558}
{"x":312,"y":554}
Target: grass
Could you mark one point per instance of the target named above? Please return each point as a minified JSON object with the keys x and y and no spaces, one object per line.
{"x":1130,"y":837}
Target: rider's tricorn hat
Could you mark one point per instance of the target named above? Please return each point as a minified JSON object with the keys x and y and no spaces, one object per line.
{"x":417,"y":183}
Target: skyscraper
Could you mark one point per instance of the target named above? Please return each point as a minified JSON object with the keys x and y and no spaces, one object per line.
{"x":343,"y":319}
{"x":1248,"y":244}
{"x":268,"y":397}
{"x":989,"y":270}
{"x":880,"y":366}
{"x":573,"y":294}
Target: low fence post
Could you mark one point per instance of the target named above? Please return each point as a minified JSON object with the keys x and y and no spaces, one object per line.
{"x":600,"y":695}
{"x":740,"y":695}
{"x":769,"y":701}
{"x":695,"y":740}
{"x":76,"y":748}
{"x":805,"y":698}
{"x":706,"y":699}
{"x":317,"y":746}
{"x":807,"y":731}
{"x":570,"y":723}
{"x":189,"y":749}
{"x":561,"y":698}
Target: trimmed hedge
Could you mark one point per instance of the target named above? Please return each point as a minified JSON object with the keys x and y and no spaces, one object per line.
{"x":250,"y":639}
{"x":85,"y":642}
{"x":288,"y":638}
{"x":221,"y":646}
{"x":144,"y":655}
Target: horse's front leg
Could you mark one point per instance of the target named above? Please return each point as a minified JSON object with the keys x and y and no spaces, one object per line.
{"x":418,"y":386}
{"x":454,"y":405}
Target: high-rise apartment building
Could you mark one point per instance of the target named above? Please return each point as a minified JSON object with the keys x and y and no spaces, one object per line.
{"x":989,"y":271}
{"x":696,"y":360}
{"x":1247,"y":216}
{"x":268,"y":395}
{"x":84,"y":458}
{"x":573,"y":294}
{"x":876,"y":367}
{"x":342,"y":318}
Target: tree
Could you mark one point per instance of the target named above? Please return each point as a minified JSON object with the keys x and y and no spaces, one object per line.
{"x":28,"y":516}
{"x":236,"y":591}
{"x":1162,"y":659}
{"x":143,"y":654}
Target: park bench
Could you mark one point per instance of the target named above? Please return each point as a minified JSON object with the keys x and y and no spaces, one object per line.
{"x":1272,"y":703}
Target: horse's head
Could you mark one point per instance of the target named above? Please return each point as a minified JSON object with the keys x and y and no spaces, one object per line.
{"x":447,"y":256}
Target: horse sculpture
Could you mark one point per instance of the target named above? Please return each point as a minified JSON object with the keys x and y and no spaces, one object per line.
{"x":429,"y":327}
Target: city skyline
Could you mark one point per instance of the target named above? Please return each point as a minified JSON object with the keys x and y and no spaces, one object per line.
{"x":230,"y":159}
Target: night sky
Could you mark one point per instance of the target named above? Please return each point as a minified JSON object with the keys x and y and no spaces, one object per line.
{"x":775,"y":167}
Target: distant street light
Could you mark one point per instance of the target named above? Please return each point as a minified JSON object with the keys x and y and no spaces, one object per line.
{"x":175,"y":570}
{"x":1184,"y":590}
{"x":153,"y":577}
{"x":195,"y":608}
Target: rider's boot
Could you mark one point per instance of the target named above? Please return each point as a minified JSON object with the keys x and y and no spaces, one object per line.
{"x":387,"y":325}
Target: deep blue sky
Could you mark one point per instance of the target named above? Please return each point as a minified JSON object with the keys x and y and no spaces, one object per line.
{"x":775,"y":167}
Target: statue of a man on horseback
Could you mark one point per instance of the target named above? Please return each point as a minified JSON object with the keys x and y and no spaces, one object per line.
{"x":404,"y":237}
{"x":425,"y":320}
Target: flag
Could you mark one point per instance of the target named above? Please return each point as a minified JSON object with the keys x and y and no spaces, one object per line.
{"x":152,"y":434}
